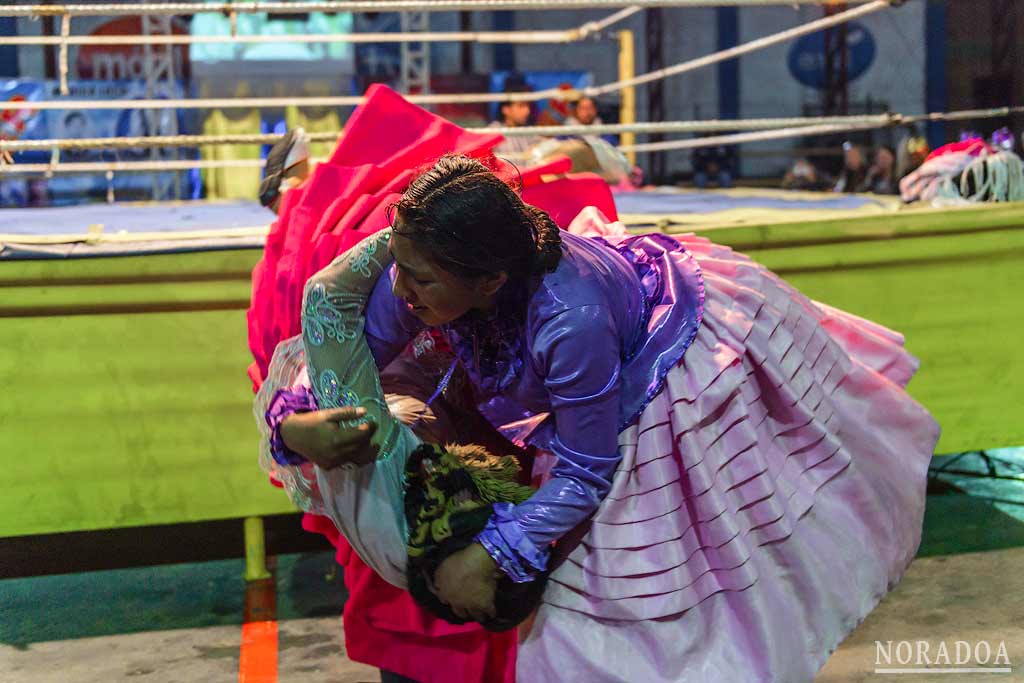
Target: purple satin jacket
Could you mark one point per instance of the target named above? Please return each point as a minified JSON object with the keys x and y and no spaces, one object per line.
{"x":591,"y":346}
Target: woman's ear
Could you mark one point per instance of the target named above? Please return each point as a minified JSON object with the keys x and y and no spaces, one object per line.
{"x":490,"y":284}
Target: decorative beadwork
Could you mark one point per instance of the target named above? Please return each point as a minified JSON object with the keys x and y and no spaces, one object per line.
{"x":333,"y":393}
{"x":323,"y":318}
{"x":422,"y":343}
{"x":361,"y":262}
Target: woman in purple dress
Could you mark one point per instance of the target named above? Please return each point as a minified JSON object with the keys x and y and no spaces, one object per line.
{"x":738,"y":474}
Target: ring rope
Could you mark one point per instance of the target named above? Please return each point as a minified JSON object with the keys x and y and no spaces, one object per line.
{"x":745,"y":48}
{"x":569,"y":35}
{"x":564,"y":36}
{"x":62,"y":53}
{"x":597,"y":129}
{"x":852,"y":124}
{"x":188,"y":8}
{"x":486,"y":37}
{"x":467,"y":98}
{"x":738,"y":138}
{"x":595,"y":27}
{"x":548,"y":93}
{"x":644,"y":128}
{"x":128,"y":166}
{"x":823,"y":129}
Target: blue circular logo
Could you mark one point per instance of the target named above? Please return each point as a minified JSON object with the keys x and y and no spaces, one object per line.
{"x":807,"y":56}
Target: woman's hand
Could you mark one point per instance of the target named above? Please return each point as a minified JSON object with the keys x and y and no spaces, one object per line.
{"x":320,"y":437}
{"x":466,"y":581}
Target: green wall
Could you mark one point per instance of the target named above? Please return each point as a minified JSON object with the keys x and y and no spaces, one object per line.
{"x":126,"y":402}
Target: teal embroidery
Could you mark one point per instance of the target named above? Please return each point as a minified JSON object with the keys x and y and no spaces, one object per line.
{"x":335,"y":394}
{"x":361,"y":261}
{"x":323,"y":319}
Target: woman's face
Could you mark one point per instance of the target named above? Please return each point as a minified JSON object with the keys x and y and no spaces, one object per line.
{"x":431,"y":293}
{"x":884,"y":159}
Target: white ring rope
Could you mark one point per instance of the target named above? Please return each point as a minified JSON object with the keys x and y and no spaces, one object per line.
{"x":65,"y":38}
{"x":569,"y":35}
{"x":823,"y":129}
{"x":187,"y":8}
{"x":738,"y":138}
{"x":565,"y":36}
{"x":655,"y":127}
{"x":597,"y":129}
{"x":644,"y":128}
{"x":848,"y":124}
{"x":538,"y":95}
{"x":129,"y":166}
{"x":732,"y":53}
{"x":594,"y":27}
{"x":62,"y":53}
{"x":110,"y":167}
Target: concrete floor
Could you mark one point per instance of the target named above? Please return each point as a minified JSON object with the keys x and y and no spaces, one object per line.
{"x":309,"y":650}
{"x":970,"y":598}
{"x":182,"y":623}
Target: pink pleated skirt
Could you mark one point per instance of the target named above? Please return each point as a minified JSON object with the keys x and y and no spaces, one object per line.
{"x":767,"y":499}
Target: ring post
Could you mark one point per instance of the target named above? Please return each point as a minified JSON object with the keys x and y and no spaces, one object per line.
{"x":255,"y":552}
{"x":627,"y":106}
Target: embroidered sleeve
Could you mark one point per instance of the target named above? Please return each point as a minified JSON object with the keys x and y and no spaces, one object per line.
{"x":341,"y":371}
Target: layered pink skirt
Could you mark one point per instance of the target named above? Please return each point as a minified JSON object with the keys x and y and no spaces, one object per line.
{"x":767,"y":499}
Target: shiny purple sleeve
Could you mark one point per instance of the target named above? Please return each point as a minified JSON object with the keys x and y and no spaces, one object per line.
{"x":389,"y":324}
{"x":578,"y":354}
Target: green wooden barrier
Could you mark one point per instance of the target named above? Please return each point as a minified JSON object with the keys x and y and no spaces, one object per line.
{"x":125,"y":400}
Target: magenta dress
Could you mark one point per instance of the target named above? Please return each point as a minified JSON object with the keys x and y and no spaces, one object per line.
{"x":739,"y":475}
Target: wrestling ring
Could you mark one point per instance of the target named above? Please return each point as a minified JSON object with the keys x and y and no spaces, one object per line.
{"x":127,"y":319}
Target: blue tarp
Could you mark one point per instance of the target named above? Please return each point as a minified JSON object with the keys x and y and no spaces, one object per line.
{"x":129,"y":218}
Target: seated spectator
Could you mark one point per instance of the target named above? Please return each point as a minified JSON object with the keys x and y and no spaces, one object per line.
{"x":881,"y":177}
{"x":855,"y":169}
{"x":584,"y":113}
{"x":713,"y":163}
{"x":805,"y":176}
{"x":912,"y":151}
{"x":514,"y":114}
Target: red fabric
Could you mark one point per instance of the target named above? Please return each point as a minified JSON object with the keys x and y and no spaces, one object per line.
{"x":564,"y":198}
{"x":385,"y":628}
{"x":386,"y":142}
{"x":974,"y":147}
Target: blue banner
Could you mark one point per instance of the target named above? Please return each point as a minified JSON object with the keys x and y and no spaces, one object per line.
{"x":88,"y":123}
{"x":807,"y":56}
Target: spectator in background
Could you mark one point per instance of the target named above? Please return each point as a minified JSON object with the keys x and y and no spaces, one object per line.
{"x":881,"y":177}
{"x":515,"y":114}
{"x":805,"y":176}
{"x":855,"y":169}
{"x":716,"y":163}
{"x":584,"y":113}
{"x":75,"y":126}
{"x":911,"y":152}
